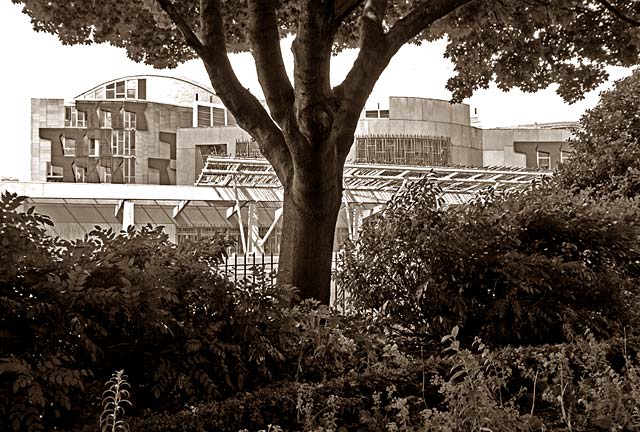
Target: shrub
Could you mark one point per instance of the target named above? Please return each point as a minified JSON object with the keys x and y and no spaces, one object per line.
{"x":73,"y":312}
{"x":606,"y":154}
{"x":517,"y":269}
{"x":355,"y":400}
{"x":572,"y":386}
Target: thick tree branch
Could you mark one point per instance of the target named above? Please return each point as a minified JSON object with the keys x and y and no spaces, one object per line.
{"x":372,"y":59}
{"x":343,"y":8}
{"x":377,"y":49}
{"x":419,"y":19}
{"x":618,"y":13}
{"x":185,"y":28}
{"x":265,"y":44}
{"x":249,"y":113}
{"x":312,"y":56}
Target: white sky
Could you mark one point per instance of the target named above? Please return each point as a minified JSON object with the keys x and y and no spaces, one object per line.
{"x":37,"y":65}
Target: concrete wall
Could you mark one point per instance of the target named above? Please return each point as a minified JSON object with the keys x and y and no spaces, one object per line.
{"x":154,"y":137}
{"x":429,"y":117}
{"x":188,"y":159}
{"x":45,"y":113}
{"x":516,"y":147}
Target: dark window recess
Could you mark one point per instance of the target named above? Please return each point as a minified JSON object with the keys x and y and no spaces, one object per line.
{"x":247,"y":148}
{"x":142,"y":89}
{"x":111,"y":91}
{"x":212,"y":150}
{"x":384,"y":113}
{"x":371,"y":114}
{"x":204,"y":116}
{"x":218,"y":116}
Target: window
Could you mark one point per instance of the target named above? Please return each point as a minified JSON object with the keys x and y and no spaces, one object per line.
{"x":121,"y":143}
{"x":79,"y":173}
{"x":132,"y":89}
{"x":129,"y":170}
{"x":116,"y":90}
{"x":564,"y":156}
{"x":213,"y":116}
{"x":129,"y":120}
{"x":111,"y":91}
{"x":94,"y":147}
{"x":99,"y":93}
{"x":376,"y":113}
{"x":204,"y":116}
{"x":403,"y":149}
{"x":74,"y":118}
{"x":54,"y":173}
{"x":218,"y":117}
{"x":544,"y":160}
{"x":107,"y":175}
{"x":68,"y":146}
{"x":105,"y":117}
{"x":120,"y":90}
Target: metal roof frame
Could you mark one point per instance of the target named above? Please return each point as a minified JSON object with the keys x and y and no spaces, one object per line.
{"x":370,"y":183}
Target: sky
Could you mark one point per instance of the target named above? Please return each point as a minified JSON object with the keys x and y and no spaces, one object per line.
{"x":37,"y":65}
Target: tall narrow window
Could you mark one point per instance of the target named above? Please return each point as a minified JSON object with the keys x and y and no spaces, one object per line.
{"x":79,"y":174}
{"x":107,"y":175}
{"x":106,"y":118}
{"x":129,"y":120}
{"x":129,"y":170}
{"x":94,"y":147}
{"x":218,"y":117}
{"x":204,"y":116}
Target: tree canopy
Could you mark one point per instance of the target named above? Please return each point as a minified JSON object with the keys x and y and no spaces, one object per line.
{"x":310,"y":124}
{"x":606,"y":148}
{"x":524,"y":43}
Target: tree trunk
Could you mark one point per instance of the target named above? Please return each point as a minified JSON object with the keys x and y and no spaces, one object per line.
{"x":308,"y":227}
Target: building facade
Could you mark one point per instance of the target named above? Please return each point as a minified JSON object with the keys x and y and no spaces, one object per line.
{"x":155,"y":130}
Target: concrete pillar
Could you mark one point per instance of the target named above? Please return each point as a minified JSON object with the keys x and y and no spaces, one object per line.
{"x":253,"y":230}
{"x":128,"y":214}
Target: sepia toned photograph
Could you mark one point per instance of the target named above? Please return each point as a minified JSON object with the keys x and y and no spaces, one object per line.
{"x":320,"y":215}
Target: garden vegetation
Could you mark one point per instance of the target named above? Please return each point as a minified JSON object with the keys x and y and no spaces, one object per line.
{"x":514,"y":312}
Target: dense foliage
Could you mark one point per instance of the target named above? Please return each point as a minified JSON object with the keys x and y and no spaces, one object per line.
{"x":606,"y":148}
{"x":576,"y":386}
{"x":526,"y":268}
{"x":201,"y":353}
{"x":72,"y":313}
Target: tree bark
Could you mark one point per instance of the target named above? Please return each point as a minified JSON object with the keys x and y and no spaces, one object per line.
{"x":312,"y":202}
{"x":307,"y":246}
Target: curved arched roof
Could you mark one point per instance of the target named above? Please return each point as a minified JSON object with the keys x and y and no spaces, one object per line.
{"x":158,"y":88}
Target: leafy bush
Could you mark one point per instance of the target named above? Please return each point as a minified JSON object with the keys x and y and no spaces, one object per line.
{"x":73,"y":312}
{"x":516,"y":269}
{"x":606,"y":154}
{"x":355,"y":400}
{"x":574,"y":386}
